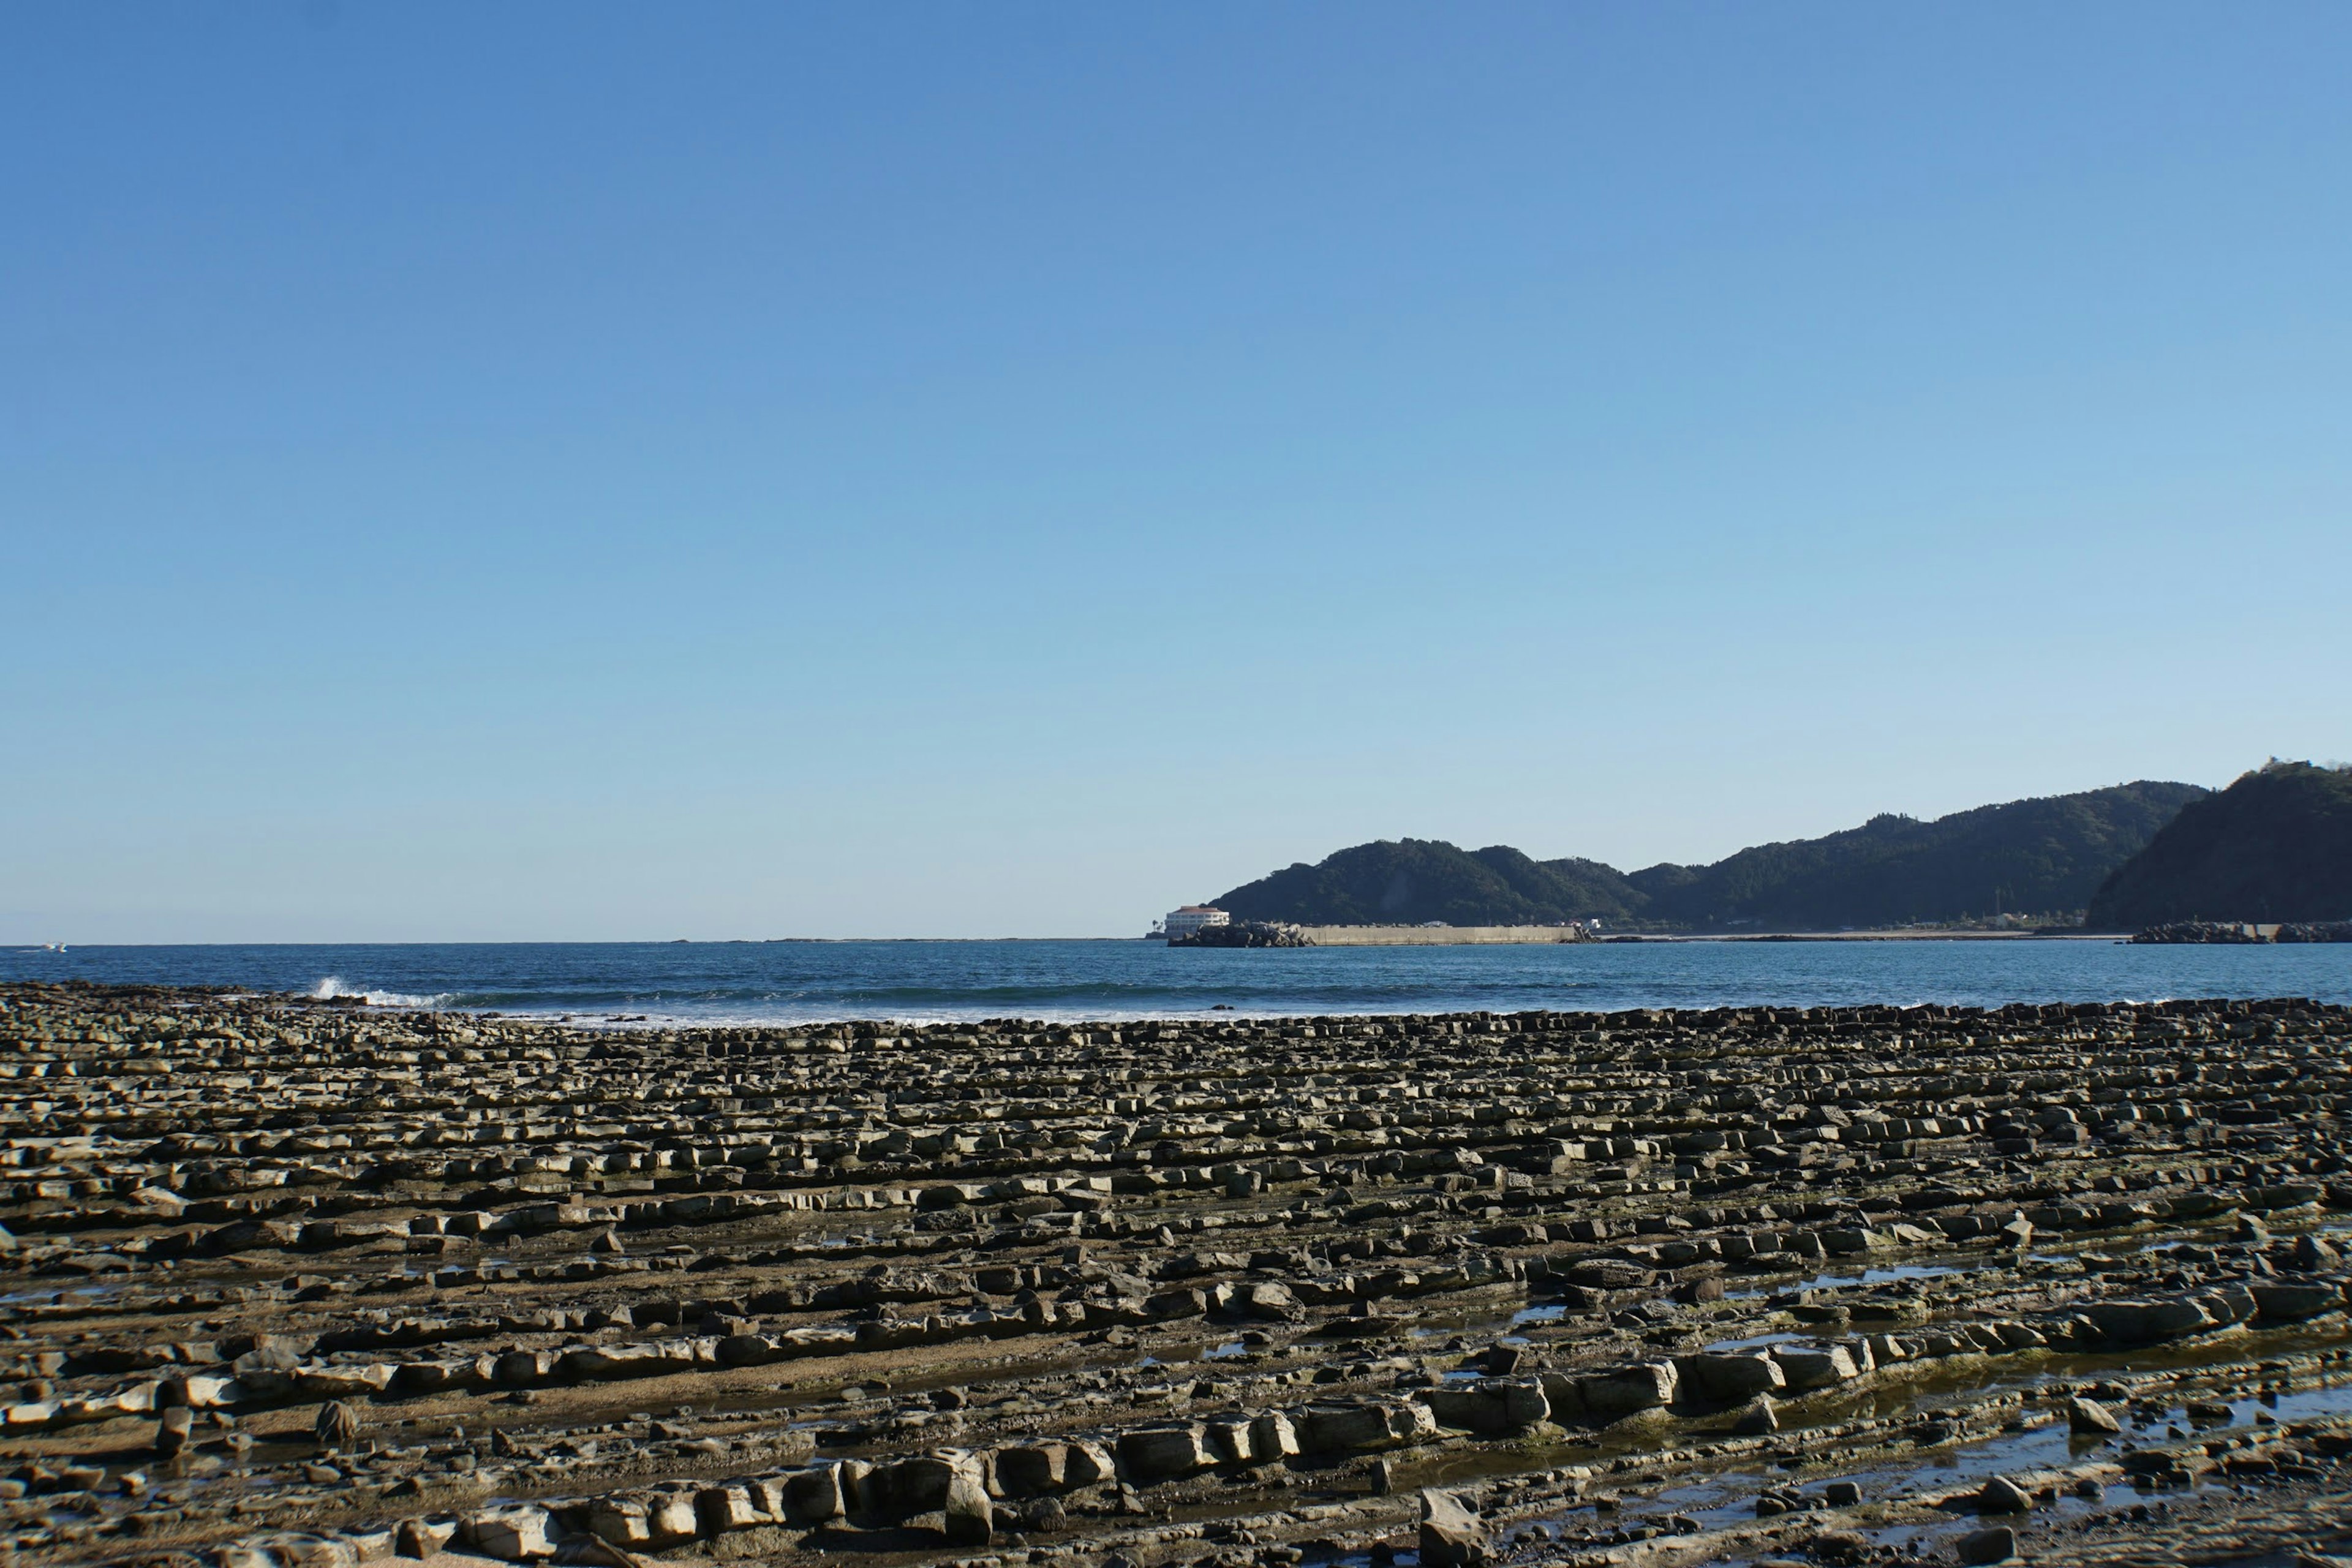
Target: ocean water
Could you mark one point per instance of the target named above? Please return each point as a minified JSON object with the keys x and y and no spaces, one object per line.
{"x":915,"y":982}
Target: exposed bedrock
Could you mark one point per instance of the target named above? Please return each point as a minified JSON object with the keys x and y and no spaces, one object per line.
{"x":302,"y":1282}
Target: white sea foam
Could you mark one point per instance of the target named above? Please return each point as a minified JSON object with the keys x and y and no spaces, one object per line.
{"x":333,"y":986}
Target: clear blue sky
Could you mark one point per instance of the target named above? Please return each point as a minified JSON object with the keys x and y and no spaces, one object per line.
{"x":579,"y":470}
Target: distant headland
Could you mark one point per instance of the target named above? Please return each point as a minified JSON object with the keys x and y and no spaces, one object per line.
{"x":2276,"y":847}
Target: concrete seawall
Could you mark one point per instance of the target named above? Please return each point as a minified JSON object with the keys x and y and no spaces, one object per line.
{"x":1436,"y":936}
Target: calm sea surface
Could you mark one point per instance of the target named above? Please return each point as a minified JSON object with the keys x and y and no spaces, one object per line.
{"x":923,"y":980}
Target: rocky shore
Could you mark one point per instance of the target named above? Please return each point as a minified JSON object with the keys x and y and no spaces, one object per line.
{"x":295,"y":1282}
{"x":1245,"y":933}
{"x":2243,"y":931}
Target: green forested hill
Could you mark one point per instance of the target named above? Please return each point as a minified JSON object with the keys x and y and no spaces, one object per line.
{"x":2274,"y":846}
{"x":1412,"y":881}
{"x":2032,"y":855}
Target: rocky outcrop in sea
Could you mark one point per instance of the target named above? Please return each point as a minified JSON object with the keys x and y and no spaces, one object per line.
{"x":1245,"y":933}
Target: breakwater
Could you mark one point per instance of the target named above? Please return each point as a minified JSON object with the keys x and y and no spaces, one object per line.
{"x":1440,"y":936}
{"x":1282,"y":933}
{"x":2243,"y":933}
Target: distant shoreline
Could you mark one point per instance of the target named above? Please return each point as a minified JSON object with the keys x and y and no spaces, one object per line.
{"x":1621,"y":940}
{"x":1887,"y":936}
{"x":34,"y":947}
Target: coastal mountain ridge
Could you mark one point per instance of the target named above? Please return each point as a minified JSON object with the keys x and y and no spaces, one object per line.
{"x":2042,"y":858}
{"x":2276,"y":846}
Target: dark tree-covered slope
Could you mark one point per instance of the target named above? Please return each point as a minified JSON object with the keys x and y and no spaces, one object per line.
{"x":2031,"y":856}
{"x":2274,"y":846}
{"x":1412,"y":880}
{"x":2034,"y":856}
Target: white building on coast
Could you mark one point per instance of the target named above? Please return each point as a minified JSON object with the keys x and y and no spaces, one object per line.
{"x":1191,"y":918}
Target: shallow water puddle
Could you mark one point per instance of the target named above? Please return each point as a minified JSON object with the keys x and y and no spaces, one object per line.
{"x":89,"y":1294}
{"x":1886,"y":1276}
{"x":1729,"y":1499}
{"x":1753,"y":1341}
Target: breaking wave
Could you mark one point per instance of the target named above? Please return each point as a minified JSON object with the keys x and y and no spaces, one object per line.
{"x":332,"y":985}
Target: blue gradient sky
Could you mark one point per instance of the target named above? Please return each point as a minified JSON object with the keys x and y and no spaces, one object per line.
{"x":548,"y":471}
